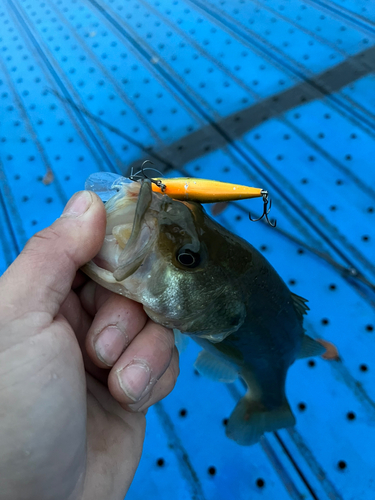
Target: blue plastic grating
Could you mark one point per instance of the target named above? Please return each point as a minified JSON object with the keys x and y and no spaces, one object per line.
{"x":274,"y":94}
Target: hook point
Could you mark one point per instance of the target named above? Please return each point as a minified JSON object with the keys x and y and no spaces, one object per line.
{"x":266,"y":209}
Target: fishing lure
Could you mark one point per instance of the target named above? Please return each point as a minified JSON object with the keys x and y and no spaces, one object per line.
{"x":105,"y":184}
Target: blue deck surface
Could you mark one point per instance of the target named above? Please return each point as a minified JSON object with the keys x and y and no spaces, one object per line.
{"x":278,"y":94}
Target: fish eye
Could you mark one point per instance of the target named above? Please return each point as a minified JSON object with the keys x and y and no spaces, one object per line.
{"x":188,"y":259}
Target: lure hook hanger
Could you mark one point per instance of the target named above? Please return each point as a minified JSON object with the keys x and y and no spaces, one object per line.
{"x":157,"y":182}
{"x":266,"y":209}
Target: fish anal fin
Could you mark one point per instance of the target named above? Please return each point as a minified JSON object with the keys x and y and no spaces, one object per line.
{"x":215,"y":368}
{"x":250,"y":420}
{"x":310,"y":347}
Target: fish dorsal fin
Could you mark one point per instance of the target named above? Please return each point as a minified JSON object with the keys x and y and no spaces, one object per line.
{"x":215,"y":368}
{"x":310,"y":347}
{"x":181,"y":341}
{"x":300,"y":305}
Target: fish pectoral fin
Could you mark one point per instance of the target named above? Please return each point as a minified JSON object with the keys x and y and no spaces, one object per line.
{"x":310,"y":347}
{"x":234,"y":355}
{"x":250,"y":420}
{"x":181,"y":341}
{"x":215,"y":368}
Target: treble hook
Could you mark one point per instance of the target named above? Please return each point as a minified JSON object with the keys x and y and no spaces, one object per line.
{"x":145,"y":176}
{"x":266,"y":210}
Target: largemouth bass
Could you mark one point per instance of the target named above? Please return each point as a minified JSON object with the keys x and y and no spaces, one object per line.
{"x":193,"y":275}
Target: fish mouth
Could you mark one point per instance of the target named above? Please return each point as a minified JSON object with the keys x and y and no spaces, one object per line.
{"x":130,"y":230}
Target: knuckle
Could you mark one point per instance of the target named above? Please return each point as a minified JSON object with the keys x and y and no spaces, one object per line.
{"x":46,"y":234}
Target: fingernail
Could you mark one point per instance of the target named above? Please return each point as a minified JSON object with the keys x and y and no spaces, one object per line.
{"x":78,"y":204}
{"x":110,"y":344}
{"x":134,"y":379}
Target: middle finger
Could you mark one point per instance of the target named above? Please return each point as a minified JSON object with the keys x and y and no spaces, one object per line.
{"x":143,"y":364}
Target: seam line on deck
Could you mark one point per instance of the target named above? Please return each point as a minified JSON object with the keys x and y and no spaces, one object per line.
{"x":10,"y":230}
{"x":11,"y":213}
{"x":182,"y":456}
{"x":314,"y":465}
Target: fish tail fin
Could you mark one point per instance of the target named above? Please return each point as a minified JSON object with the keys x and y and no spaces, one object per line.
{"x":250,"y":420}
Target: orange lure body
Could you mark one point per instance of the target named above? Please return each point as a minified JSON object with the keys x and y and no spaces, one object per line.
{"x":203,"y":190}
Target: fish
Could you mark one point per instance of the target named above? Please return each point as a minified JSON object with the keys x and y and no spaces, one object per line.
{"x":196,"y":277}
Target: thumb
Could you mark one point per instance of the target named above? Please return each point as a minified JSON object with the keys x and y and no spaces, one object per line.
{"x":42,"y":275}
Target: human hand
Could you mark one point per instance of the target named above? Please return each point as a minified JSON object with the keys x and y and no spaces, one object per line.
{"x":79,"y":366}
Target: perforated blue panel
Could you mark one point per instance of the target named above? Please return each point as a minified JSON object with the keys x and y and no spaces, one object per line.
{"x":276,"y":94}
